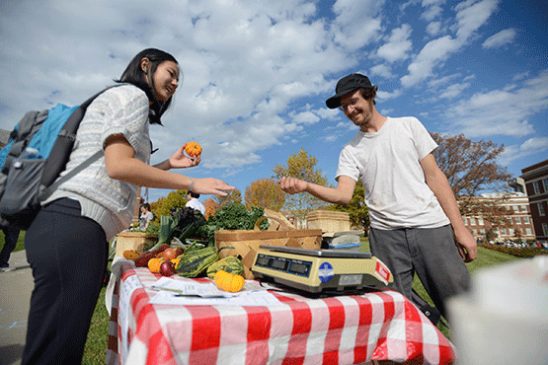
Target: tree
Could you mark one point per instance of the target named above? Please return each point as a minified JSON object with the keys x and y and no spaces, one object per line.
{"x":471,"y":168}
{"x":357,"y":209}
{"x":164,"y":205}
{"x":235,"y":196}
{"x":302,"y":166}
{"x":264,"y":193}
{"x":211,"y":207}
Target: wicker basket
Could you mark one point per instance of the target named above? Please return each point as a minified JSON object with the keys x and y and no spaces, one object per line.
{"x":328,"y":221}
{"x":245,"y":243}
{"x":133,"y":241}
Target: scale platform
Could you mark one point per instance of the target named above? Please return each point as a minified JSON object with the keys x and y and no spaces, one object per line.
{"x":316,"y":271}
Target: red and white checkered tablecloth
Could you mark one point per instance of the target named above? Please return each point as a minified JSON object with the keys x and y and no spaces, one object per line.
{"x":336,"y":330}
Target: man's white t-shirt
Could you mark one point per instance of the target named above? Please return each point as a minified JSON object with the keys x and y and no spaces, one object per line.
{"x":388,"y":162}
{"x":196,"y":204}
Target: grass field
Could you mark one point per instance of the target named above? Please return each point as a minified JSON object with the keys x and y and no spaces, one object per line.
{"x":95,"y":349}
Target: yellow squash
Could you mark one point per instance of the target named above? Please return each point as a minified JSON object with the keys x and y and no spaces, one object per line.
{"x":229,"y":282}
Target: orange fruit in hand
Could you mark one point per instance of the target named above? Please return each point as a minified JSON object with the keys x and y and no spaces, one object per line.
{"x":193,"y":149}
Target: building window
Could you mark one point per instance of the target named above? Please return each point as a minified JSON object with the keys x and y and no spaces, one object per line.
{"x":472,"y":221}
{"x":503,"y":231}
{"x":517,"y":220}
{"x":541,"y":211}
{"x":526,"y":219}
{"x":536,"y":189}
{"x":545,"y":183}
{"x":528,"y":231}
{"x":480,"y":221}
{"x":545,"y":229}
{"x":482,"y":231}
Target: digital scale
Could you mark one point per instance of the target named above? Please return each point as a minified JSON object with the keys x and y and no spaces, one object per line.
{"x":316,"y":271}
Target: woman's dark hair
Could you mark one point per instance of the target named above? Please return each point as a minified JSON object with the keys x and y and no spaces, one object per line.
{"x":369,"y":94}
{"x":134,"y":75}
{"x":146,"y":206}
{"x":193,"y":194}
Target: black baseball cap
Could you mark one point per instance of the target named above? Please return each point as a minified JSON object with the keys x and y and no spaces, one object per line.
{"x":346,"y":85}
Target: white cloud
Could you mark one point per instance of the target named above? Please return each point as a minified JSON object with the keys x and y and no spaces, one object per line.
{"x":386,"y":95}
{"x":500,"y":39}
{"x":306,"y":117}
{"x":501,"y":112}
{"x":381,"y":70}
{"x":433,"y":28}
{"x":356,"y":22}
{"x":454,"y":90}
{"x":517,"y":151}
{"x":243,"y":64}
{"x":431,"y":12}
{"x":470,"y":16}
{"x":398,"y":45}
{"x":431,"y":55}
{"x":473,"y":14}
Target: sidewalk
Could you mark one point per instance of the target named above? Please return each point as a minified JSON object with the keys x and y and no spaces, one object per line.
{"x":16,"y":287}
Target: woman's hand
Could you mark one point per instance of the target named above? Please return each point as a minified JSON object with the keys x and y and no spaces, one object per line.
{"x":210,"y":185}
{"x":180,"y":161}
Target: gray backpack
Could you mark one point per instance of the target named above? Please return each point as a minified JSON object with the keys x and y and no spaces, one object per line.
{"x":37,"y":152}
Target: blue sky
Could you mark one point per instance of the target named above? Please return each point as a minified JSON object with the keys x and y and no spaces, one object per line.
{"x":257,"y":73}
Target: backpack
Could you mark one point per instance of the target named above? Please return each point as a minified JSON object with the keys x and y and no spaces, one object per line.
{"x":37,"y":152}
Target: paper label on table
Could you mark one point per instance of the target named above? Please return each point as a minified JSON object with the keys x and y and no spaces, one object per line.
{"x":326,"y":272}
{"x":250,"y":299}
{"x":200,"y":289}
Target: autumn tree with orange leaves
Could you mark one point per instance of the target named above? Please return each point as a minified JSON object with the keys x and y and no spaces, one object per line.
{"x":264,"y":193}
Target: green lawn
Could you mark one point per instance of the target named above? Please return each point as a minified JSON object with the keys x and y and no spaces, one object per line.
{"x":485,"y":259}
{"x":95,"y":350}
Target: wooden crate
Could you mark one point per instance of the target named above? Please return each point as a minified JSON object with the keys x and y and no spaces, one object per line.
{"x":245,"y":243}
{"x":328,"y":221}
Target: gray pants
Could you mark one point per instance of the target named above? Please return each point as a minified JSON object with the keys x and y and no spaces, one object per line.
{"x":431,"y":253}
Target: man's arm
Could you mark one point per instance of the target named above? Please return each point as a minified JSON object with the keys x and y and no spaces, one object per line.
{"x":342,"y":194}
{"x":437,"y":181}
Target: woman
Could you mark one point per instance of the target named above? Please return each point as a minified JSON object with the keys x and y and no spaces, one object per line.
{"x":146,"y":216}
{"x":67,"y":242}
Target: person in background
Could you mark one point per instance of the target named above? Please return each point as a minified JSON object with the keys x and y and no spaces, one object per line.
{"x":194,"y":203}
{"x":416,"y":226}
{"x":146,"y":216}
{"x":67,"y":242}
{"x":11,"y":235}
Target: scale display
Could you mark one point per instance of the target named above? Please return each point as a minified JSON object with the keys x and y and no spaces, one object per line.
{"x":282,"y":264}
{"x":318,"y":270}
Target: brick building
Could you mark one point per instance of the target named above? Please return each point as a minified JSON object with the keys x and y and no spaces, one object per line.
{"x":518,"y":224}
{"x":536,"y":185}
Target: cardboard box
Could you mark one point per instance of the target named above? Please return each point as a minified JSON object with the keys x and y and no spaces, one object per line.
{"x":245,"y":243}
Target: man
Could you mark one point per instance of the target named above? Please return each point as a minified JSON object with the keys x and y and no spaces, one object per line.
{"x":414,"y":215}
{"x":194,"y":203}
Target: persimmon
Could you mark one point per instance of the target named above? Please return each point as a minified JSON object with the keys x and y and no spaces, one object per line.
{"x":193,"y":149}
